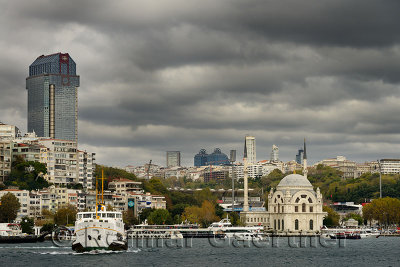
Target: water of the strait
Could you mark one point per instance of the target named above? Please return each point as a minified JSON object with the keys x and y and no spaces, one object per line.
{"x":383,"y":251}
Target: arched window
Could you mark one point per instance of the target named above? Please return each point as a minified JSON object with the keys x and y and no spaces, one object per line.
{"x":297,"y":200}
{"x":296,"y":224}
{"x":309,"y":200}
{"x":311,"y":225}
{"x":296,"y":209}
{"x":303,"y":207}
{"x":283,"y":225}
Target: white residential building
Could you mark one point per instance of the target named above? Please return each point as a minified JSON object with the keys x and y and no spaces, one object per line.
{"x":5,"y":158}
{"x":60,"y":156}
{"x":87,"y":168}
{"x":390,"y":166}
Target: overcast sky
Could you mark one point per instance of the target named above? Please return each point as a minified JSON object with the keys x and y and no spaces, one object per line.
{"x":185,"y":75}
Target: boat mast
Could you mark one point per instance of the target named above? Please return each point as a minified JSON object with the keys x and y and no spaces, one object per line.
{"x":102,"y":186}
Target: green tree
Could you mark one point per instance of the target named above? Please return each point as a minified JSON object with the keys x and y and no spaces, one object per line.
{"x":65,"y":215}
{"x":205,"y":195}
{"x":204,"y":215}
{"x":129,"y":218}
{"x":9,"y":208}
{"x":332,"y":218}
{"x":27,"y":175}
{"x":159,"y":216}
{"x":144,"y":214}
{"x":27,"y":225}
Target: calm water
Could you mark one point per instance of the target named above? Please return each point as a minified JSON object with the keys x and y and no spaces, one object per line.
{"x":383,"y":251}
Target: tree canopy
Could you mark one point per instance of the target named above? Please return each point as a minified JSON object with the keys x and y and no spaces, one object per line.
{"x":9,"y":208}
{"x":27,"y":175}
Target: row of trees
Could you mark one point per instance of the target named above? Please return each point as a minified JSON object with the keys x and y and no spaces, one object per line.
{"x":384,"y":210}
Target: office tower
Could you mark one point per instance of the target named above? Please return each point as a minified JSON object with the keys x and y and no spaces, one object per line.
{"x":299,"y":156}
{"x":251,"y":149}
{"x":53,"y":97}
{"x":232,"y":157}
{"x":173,"y":158}
{"x":275,"y":153}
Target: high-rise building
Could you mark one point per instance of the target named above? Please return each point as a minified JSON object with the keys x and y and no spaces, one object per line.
{"x":173,"y":158}
{"x":275,"y":153}
{"x":299,"y":156}
{"x":52,"y":87}
{"x":232,"y":157}
{"x":251,"y":149}
{"x":215,"y":158}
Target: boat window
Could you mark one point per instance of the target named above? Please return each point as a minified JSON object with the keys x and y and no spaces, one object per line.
{"x":110,"y":215}
{"x":87,"y":215}
{"x":94,"y":215}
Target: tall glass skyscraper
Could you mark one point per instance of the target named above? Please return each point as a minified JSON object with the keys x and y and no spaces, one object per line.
{"x":53,"y":97}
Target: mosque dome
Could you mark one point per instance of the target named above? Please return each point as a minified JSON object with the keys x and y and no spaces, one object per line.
{"x":295,"y":180}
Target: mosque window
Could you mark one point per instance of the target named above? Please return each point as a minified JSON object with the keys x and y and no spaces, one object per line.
{"x":311,"y":225}
{"x":279,"y":224}
{"x":303,"y":207}
{"x":296,"y":224}
{"x":282,"y":209}
{"x":309,"y":200}
{"x":283,"y":225}
{"x":303,"y":196}
{"x":274,"y":209}
{"x":274,"y":224}
{"x":297,"y":200}
{"x":311,"y":209}
{"x":296,"y":209}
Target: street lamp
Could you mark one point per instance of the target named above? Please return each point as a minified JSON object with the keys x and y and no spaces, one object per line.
{"x":380,"y":178}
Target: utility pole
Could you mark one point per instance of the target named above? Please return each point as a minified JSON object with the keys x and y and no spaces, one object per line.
{"x":380,"y":178}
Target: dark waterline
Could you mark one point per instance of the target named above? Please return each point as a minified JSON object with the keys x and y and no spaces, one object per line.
{"x":202,"y":252}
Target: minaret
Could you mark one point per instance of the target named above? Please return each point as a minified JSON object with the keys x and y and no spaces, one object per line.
{"x":305,"y":171}
{"x":245,"y":180}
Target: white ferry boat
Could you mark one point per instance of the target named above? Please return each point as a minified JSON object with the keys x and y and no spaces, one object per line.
{"x":225,"y":227}
{"x":100,"y":229}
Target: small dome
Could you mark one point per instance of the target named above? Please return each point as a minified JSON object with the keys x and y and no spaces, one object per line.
{"x":295,"y":180}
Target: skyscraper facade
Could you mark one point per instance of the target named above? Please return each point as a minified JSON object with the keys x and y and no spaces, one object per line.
{"x":173,"y":158}
{"x":52,"y":87}
{"x":275,"y":153}
{"x":251,"y":149}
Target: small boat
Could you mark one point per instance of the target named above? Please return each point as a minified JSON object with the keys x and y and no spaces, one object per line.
{"x":345,"y":235}
{"x":248,"y":237}
{"x":226,"y":228}
{"x":99,"y":229}
{"x":12,"y":233}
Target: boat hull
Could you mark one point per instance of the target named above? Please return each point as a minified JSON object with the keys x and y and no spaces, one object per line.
{"x":114,"y":246}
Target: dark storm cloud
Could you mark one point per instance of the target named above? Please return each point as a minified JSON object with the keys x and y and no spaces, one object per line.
{"x":183,"y":75}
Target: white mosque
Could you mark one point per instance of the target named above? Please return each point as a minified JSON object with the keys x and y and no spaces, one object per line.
{"x":294,"y":207}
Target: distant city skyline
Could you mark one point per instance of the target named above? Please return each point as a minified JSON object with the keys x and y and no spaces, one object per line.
{"x":181,"y":76}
